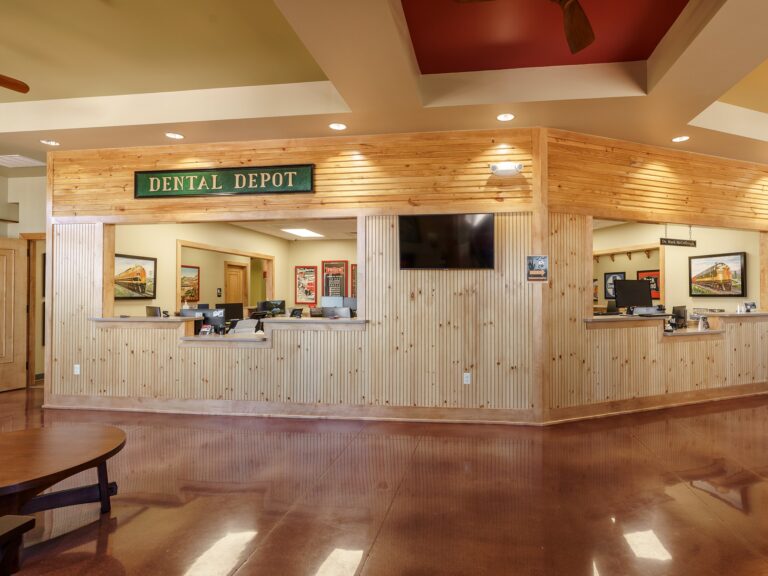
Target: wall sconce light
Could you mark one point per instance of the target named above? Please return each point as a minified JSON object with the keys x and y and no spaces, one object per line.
{"x":506,"y":168}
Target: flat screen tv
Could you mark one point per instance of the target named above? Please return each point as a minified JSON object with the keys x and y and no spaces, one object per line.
{"x":446,"y":241}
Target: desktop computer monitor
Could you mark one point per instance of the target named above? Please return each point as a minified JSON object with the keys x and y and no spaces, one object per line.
{"x":154,"y":311}
{"x":191,"y":312}
{"x":233,"y":311}
{"x":350,"y":303}
{"x":215,"y":318}
{"x":635,"y":293}
{"x":331,"y":302}
{"x":203,"y":306}
{"x":273,"y":306}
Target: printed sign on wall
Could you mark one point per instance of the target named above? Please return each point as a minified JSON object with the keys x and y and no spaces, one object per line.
{"x":306,"y":284}
{"x":537,"y":269}
{"x":335,"y":278}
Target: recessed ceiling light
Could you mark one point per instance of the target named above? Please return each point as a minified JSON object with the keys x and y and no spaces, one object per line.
{"x":174,"y":135}
{"x":303,"y":232}
{"x":506,"y":117}
{"x":50,"y":142}
{"x":337,"y":126}
{"x":681,"y":138}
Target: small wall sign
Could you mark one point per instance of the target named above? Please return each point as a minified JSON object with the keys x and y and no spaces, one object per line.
{"x":677,"y":242}
{"x":224,"y":181}
{"x":537,"y":269}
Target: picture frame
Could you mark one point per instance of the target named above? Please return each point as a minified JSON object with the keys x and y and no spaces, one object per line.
{"x":189,"y":283}
{"x":305,"y":285}
{"x":718,"y":275}
{"x":595,"y":290}
{"x":353,"y":282}
{"x":654,"y":277}
{"x":608,"y":288}
{"x":135,"y":277}
{"x":335,"y":277}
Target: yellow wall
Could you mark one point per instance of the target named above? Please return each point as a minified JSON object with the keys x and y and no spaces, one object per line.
{"x":312,"y":253}
{"x":211,"y":272}
{"x":709,"y":241}
{"x":30,"y":194}
{"x":159,"y":241}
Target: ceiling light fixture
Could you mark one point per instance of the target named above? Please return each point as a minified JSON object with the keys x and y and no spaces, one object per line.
{"x":174,"y":135}
{"x":302,"y":232}
{"x":681,"y":138}
{"x":506,"y":117}
{"x":337,"y":126}
{"x":50,"y":142}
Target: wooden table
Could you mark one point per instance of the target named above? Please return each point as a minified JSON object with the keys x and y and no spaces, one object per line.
{"x":36,"y":459}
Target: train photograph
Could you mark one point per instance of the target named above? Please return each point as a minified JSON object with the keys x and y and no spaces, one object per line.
{"x":718,"y":275}
{"x":134,"y":277}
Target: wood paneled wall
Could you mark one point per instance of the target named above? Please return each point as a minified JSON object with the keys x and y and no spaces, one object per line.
{"x":384,"y":174}
{"x":612,"y":365}
{"x":627,"y":181}
{"x":425,"y":330}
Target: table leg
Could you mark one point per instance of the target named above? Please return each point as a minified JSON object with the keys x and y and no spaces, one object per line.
{"x":106,"y":506}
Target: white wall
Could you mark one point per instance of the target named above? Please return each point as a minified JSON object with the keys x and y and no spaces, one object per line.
{"x":709,"y":241}
{"x":29,"y":193}
{"x":312,"y":253}
{"x":159,"y":241}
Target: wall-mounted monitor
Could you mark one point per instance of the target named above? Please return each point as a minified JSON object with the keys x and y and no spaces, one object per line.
{"x":446,"y":241}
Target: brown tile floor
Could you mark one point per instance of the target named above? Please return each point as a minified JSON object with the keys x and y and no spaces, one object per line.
{"x":676,"y":492}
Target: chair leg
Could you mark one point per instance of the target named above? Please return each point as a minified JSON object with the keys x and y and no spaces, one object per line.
{"x":9,"y":557}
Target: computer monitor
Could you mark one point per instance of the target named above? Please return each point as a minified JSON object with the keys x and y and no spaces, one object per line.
{"x":635,"y":293}
{"x":154,"y":311}
{"x":215,"y":318}
{"x":331,"y":302}
{"x":350,"y":303}
{"x":191,"y":312}
{"x":274,"y":306}
{"x":203,"y":306}
{"x":232,"y":311}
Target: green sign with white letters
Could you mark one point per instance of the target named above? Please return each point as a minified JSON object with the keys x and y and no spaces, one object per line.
{"x":224,"y":181}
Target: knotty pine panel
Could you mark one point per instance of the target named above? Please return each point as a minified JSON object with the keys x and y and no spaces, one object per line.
{"x":622,"y":180}
{"x":439,"y":171}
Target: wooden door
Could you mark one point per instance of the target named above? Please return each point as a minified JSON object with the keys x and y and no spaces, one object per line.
{"x":235,"y":283}
{"x":13,"y":306}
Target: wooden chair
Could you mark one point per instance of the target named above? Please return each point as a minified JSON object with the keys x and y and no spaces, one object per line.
{"x":12,"y":528}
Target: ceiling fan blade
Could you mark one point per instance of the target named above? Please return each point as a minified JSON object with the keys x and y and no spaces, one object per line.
{"x":578,"y":30}
{"x":13,"y":84}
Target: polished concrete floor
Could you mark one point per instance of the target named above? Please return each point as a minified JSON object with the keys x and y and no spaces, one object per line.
{"x":674,"y":492}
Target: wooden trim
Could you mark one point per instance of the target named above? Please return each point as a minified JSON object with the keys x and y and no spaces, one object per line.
{"x":32,"y":235}
{"x":361,"y":265}
{"x":763,"y":255}
{"x":662,"y":274}
{"x":540,"y":246}
{"x":599,"y":324}
{"x":49,"y":300}
{"x":558,"y":415}
{"x":31,"y":307}
{"x":108,"y":276}
{"x":291,"y":410}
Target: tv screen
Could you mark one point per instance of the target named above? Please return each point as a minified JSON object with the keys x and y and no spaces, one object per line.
{"x":446,"y":241}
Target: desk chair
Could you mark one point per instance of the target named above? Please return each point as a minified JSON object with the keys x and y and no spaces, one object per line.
{"x":12,"y":529}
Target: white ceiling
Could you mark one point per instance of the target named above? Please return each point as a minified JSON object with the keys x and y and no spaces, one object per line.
{"x":331,"y":229}
{"x":368,"y":79}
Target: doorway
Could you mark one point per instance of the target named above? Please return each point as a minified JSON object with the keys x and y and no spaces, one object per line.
{"x":236,"y":282}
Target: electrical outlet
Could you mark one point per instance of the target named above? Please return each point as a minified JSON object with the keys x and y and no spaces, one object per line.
{"x":76,"y":369}
{"x":467,"y":378}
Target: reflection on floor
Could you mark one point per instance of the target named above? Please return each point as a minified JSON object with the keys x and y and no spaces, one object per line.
{"x":676,"y":492}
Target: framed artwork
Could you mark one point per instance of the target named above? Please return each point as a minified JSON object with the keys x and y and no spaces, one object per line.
{"x":335,"y":277}
{"x":190,"y":283}
{"x":610,"y":291}
{"x":653,"y":277}
{"x":305,"y":284}
{"x":595,"y":290}
{"x":135,"y":277}
{"x":718,"y":275}
{"x":353,"y":282}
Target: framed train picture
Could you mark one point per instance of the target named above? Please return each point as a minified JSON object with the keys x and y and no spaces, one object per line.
{"x":653,"y":277}
{"x":335,"y":277}
{"x":718,"y":275}
{"x":135,"y":277}
{"x":305,"y":284}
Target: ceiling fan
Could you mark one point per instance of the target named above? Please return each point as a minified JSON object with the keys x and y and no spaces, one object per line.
{"x":578,"y":30}
{"x":13,"y":84}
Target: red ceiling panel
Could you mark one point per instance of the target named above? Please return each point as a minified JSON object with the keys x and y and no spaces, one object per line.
{"x":450,"y":36}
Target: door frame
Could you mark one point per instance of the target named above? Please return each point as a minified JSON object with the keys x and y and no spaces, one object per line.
{"x":246,"y":288}
{"x":269,"y":264}
{"x":33,"y":315}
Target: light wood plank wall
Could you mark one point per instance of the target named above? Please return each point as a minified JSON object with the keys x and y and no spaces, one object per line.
{"x":441,"y":171}
{"x":426,"y":329}
{"x":626,"y":181}
{"x":611,"y":365}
